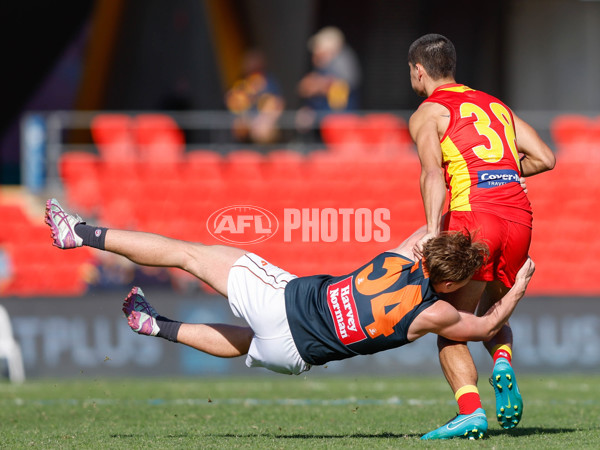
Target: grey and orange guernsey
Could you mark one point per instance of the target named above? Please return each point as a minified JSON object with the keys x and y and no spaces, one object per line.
{"x":368,"y":311}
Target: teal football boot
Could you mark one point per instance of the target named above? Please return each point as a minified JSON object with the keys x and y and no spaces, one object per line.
{"x":466,"y":426}
{"x":509,"y":403}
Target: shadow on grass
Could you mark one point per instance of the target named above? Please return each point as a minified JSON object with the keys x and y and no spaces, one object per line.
{"x":519,"y":432}
{"x":530,"y":431}
{"x":279,"y":436}
{"x":317,"y":436}
{"x":515,"y":433}
{"x":144,"y":436}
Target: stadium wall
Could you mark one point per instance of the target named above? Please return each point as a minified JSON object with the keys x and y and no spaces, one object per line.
{"x":88,"y":337}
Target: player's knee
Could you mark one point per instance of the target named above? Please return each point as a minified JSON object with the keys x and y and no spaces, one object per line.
{"x":503,"y":336}
{"x":192,"y":259}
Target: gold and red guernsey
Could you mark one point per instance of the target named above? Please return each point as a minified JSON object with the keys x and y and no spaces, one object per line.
{"x":480,"y":156}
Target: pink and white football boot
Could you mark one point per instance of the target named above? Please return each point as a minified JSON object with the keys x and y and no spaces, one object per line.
{"x":62,"y":225}
{"x":141,"y":316}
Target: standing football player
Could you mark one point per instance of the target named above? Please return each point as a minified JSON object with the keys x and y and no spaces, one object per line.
{"x":472,"y":145}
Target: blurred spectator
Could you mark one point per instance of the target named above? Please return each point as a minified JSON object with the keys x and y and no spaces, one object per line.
{"x":333,"y":83}
{"x":256,"y":100}
{"x":110,"y":272}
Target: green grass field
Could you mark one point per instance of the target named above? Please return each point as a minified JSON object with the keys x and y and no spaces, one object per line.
{"x":284,"y":412}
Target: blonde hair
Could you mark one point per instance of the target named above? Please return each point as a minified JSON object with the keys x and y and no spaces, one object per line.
{"x":454,"y":256}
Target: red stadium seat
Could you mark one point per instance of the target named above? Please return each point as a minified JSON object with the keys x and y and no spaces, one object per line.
{"x":283,"y":165}
{"x":150,"y":128}
{"x":203,"y":165}
{"x":80,"y":173}
{"x":37,"y":234}
{"x":244,"y":164}
{"x":83,"y":195}
{"x":114,"y":173}
{"x":12,"y":213}
{"x":385,"y":133}
{"x":77,"y":165}
{"x":158,"y":189}
{"x":40,"y":269}
{"x":572,"y":133}
{"x":64,"y":279}
{"x":595,"y":134}
{"x":18,"y":227}
{"x":342,"y":133}
{"x":285,"y":178}
{"x":160,"y":142}
{"x":119,"y":212}
{"x":109,"y":128}
{"x":113,"y":134}
{"x":324,"y":165}
{"x":161,"y":145}
{"x":24,"y":282}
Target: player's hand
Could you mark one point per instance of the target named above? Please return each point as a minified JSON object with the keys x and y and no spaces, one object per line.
{"x":523,"y":184}
{"x":526,"y":271}
{"x":418,"y":248}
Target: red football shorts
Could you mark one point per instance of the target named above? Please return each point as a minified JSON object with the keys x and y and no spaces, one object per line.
{"x":508,"y":242}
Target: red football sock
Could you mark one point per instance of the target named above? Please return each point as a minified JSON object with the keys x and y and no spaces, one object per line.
{"x":468,"y":399}
{"x":502,"y":351}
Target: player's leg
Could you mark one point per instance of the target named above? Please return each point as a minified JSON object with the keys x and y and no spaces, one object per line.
{"x":211,"y":263}
{"x":509,"y":402}
{"x":494,"y":291}
{"x":515,"y":240}
{"x":222,"y":340}
{"x":460,"y":372}
{"x":256,"y":293}
{"x":455,"y":358}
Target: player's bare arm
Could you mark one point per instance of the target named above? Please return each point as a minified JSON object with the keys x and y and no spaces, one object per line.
{"x":538,"y":157}
{"x":443,"y":319}
{"x":406,"y":248}
{"x":426,"y":126}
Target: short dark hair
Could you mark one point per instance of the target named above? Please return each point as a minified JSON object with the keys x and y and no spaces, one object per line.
{"x":436,"y":54}
{"x":453,"y":256}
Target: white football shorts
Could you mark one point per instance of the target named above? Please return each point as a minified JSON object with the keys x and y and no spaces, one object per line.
{"x":256,"y":293}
